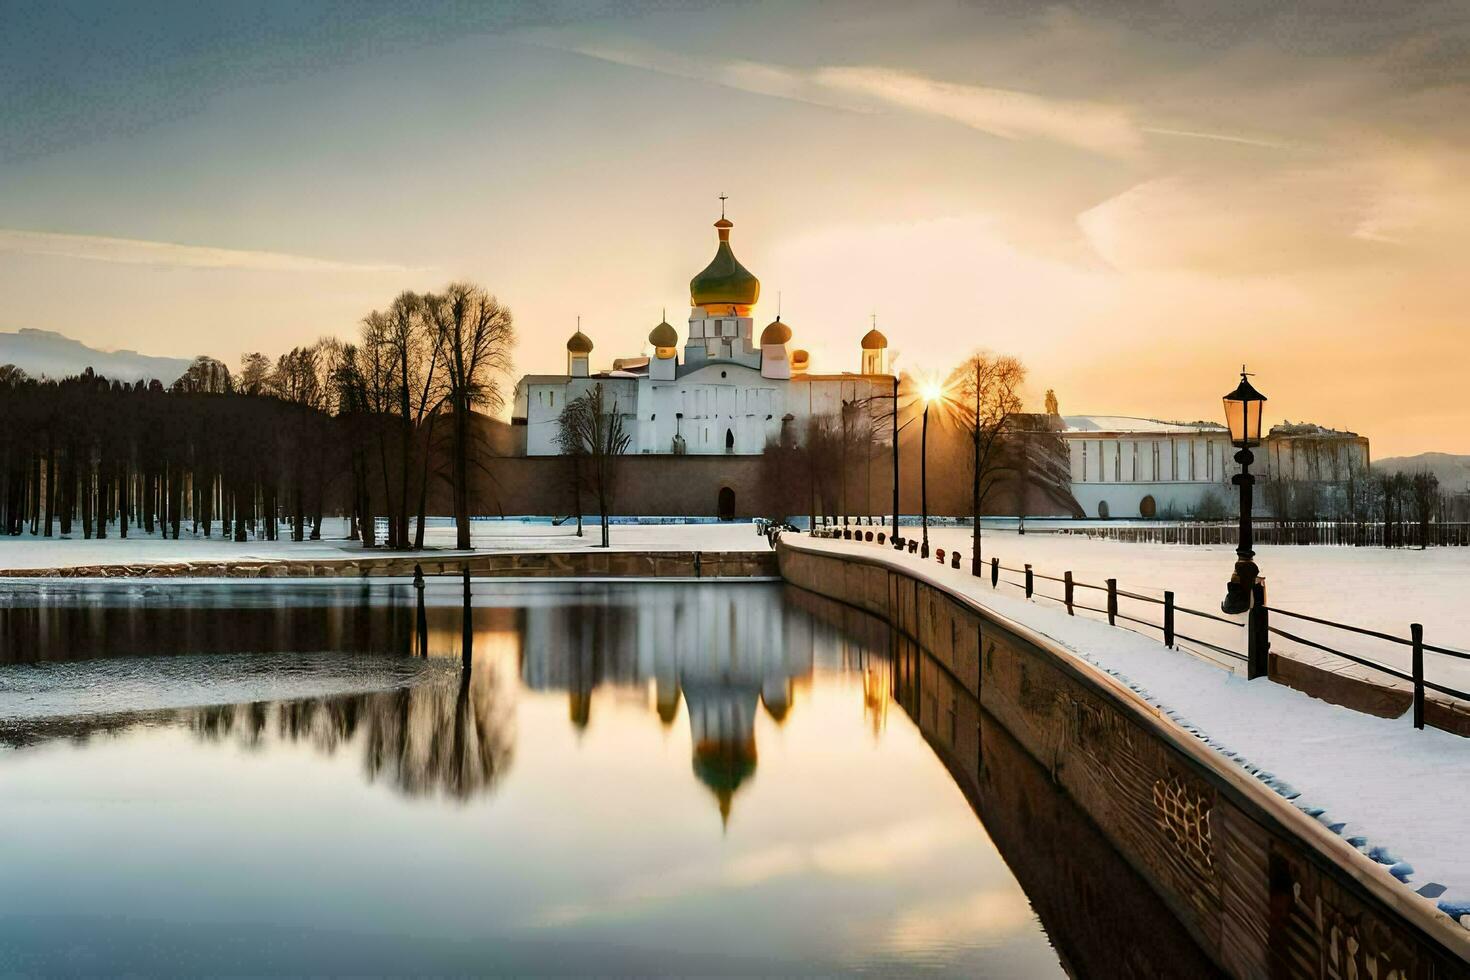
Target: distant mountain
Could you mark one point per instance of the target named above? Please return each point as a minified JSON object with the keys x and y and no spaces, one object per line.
{"x":44,"y":352}
{"x":1453,"y":471}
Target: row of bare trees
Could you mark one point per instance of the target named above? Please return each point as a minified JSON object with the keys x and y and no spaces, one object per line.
{"x":113,"y":457}
{"x":981,"y":435}
{"x":359,"y":429}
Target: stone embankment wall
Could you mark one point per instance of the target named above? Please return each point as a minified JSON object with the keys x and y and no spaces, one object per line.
{"x":1264,"y":890}
{"x":577,"y":564}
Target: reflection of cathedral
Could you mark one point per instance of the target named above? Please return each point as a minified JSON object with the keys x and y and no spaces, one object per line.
{"x":726,"y":650}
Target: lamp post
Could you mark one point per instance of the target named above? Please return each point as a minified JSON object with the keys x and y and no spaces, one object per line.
{"x":1243,"y":409}
{"x":930,"y":392}
{"x":897,"y":541}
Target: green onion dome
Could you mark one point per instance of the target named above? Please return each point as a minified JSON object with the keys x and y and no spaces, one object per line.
{"x":580,"y":343}
{"x":663,"y":335}
{"x":724,"y":280}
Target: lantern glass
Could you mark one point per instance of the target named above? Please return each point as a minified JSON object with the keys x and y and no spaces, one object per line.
{"x":1244,"y":408}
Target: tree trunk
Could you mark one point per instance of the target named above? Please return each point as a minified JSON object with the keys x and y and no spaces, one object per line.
{"x":461,"y":473}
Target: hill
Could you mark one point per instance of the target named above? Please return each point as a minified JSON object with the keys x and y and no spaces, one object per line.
{"x":44,"y":352}
{"x":1453,"y":471}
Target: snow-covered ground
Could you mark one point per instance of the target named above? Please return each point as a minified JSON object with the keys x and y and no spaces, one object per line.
{"x":28,"y":552}
{"x":1397,"y":794}
{"x":1373,"y":588}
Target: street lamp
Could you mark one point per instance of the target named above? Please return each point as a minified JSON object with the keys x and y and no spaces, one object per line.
{"x":1243,"y":409}
{"x":897,"y":541}
{"x":930,"y":392}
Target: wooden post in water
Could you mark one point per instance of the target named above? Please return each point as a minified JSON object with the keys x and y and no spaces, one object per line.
{"x":1416,"y":633}
{"x":1169,"y":620}
{"x":467,"y":636}
{"x":994,"y":572}
{"x":423,"y":618}
{"x":1112,"y":602}
{"x":1028,"y":581}
{"x":1067,"y":591}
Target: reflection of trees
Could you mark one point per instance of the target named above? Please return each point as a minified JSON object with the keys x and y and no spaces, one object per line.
{"x":451,"y":737}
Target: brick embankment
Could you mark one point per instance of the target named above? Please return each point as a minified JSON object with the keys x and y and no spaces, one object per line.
{"x":1263,"y":888}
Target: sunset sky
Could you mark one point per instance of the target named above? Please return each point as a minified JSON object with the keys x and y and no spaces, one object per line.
{"x":1131,"y":198}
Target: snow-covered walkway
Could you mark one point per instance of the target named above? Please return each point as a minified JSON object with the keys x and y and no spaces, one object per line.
{"x":1399,"y":795}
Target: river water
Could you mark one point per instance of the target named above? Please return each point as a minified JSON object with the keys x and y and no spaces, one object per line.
{"x":307,"y":777}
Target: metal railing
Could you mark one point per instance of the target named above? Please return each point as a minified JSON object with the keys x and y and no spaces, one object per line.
{"x":1359,"y":534}
{"x":1257,"y":626}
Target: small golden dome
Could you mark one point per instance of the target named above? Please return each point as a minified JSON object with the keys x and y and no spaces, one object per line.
{"x":873,"y":340}
{"x":776,"y":332}
{"x":580,"y":343}
{"x":663,"y":335}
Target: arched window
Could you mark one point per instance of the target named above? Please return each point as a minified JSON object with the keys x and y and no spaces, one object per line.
{"x":729,"y":440}
{"x":1102,"y":509}
{"x":727,"y":504}
{"x":1147,"y":508}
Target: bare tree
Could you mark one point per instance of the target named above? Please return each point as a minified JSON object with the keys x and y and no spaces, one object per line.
{"x":1423,"y":497}
{"x":985,"y":390}
{"x":569,"y":441}
{"x":476,"y":334}
{"x":597,"y":430}
{"x":417,"y":380}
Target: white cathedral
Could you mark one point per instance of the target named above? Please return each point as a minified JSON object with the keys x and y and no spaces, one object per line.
{"x":728,"y":393}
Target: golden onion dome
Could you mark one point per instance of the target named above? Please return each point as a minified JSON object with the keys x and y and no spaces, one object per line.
{"x":663,"y":335}
{"x":579,"y":343}
{"x":873,"y":340}
{"x":724,"y":280}
{"x":776,"y":332}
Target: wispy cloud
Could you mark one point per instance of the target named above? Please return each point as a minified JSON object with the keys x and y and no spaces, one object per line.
{"x":756,"y":77}
{"x":1006,"y":113}
{"x":1098,"y":127}
{"x":133,"y":251}
{"x":1221,"y":137}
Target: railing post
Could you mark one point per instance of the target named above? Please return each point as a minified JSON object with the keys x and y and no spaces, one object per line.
{"x":1258,"y":635}
{"x":1169,"y":620}
{"x":1067,"y":585}
{"x":1112,"y":602}
{"x":994,"y":572}
{"x":1416,"y":632}
{"x":1028,"y":581}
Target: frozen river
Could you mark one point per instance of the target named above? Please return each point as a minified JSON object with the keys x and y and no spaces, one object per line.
{"x":277,"y":777}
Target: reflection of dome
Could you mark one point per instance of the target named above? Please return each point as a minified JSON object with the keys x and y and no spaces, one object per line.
{"x":723,"y":766}
{"x":776,"y":696}
{"x":579,"y":708}
{"x":667,"y":703}
{"x":873,"y":340}
{"x":776,"y":332}
{"x":724,"y":280}
{"x":663,"y":335}
{"x":579,"y":343}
